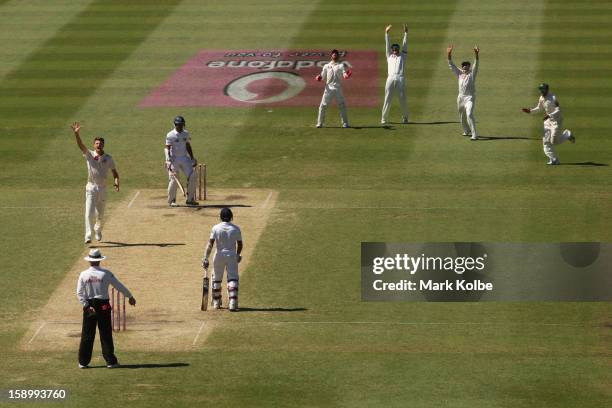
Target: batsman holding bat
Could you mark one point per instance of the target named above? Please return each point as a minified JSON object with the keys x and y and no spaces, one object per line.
{"x":229,"y":246}
{"x":179,"y":157}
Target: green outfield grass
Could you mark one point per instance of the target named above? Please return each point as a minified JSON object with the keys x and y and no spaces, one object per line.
{"x":313,"y":342}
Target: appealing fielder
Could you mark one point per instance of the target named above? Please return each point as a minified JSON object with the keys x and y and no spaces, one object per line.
{"x":92,"y":292}
{"x":553,"y":122}
{"x":396,"y":81}
{"x":179,"y":157}
{"x":229,"y":246}
{"x":332,"y":74}
{"x":98,"y":164}
{"x":466,"y":99}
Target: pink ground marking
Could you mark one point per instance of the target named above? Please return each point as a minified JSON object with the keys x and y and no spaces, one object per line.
{"x":200,"y":83}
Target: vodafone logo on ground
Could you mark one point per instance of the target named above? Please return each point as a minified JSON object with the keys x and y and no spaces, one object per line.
{"x":265,"y":87}
{"x":264,"y":78}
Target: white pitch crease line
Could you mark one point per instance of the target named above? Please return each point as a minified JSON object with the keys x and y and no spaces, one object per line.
{"x":265,"y":204}
{"x":195,"y":340}
{"x":37,"y":331}
{"x":133,"y":199}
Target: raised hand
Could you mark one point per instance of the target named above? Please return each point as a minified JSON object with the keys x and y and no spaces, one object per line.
{"x":405,"y":28}
{"x":388,"y":28}
{"x":476,"y":50}
{"x":76,"y":127}
{"x":526,"y":110}
{"x":449,"y":51}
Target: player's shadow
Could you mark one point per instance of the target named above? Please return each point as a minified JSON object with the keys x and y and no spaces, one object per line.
{"x":220,"y":206}
{"x":147,"y":365}
{"x":272,"y":309}
{"x":588,"y":164}
{"x":485,"y":138}
{"x":425,"y":123}
{"x":112,"y":244}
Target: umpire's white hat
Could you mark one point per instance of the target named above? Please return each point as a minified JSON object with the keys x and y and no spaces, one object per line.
{"x":95,"y":256}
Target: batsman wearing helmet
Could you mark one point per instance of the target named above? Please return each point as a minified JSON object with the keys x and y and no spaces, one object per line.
{"x":396,"y":61}
{"x":179,"y":157}
{"x":229,"y":246}
{"x":466,"y":100}
{"x":553,"y":122}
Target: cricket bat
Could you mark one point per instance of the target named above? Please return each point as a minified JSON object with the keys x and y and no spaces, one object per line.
{"x":205,"y":291}
{"x":180,"y":185}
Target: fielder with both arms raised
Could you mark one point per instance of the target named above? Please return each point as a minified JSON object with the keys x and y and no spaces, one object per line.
{"x":229,"y":246}
{"x":396,"y":62}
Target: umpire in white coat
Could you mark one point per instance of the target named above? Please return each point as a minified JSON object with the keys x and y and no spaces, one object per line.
{"x":92,"y":292}
{"x":396,"y":62}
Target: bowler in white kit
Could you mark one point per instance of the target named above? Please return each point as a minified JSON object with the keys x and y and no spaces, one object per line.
{"x":396,"y":82}
{"x":466,"y":100}
{"x":98,"y":165}
{"x":332,"y":74}
{"x":229,"y":246}
{"x":553,"y":122}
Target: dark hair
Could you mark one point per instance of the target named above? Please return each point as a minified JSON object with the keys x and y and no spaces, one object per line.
{"x":464,"y":63}
{"x":334,"y":51}
{"x":99,"y":138}
{"x":395,"y":46}
{"x":226,"y":215}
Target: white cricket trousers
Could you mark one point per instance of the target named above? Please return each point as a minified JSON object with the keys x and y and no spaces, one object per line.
{"x":553,"y":136}
{"x":183,"y":164}
{"x":395,"y":83}
{"x":223,"y":261}
{"x":465,"y":107}
{"x":328,"y":95}
{"x":95,"y":201}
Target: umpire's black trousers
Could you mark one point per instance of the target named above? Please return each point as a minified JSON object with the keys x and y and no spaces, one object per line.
{"x":102,"y":318}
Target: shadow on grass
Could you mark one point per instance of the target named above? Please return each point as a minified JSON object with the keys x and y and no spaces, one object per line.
{"x":150,"y":365}
{"x":425,"y":123}
{"x":112,"y":244}
{"x":591,"y":164}
{"x":272,"y":309}
{"x":484,"y":138}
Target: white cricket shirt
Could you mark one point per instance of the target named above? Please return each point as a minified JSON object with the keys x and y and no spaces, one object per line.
{"x":178,"y":143}
{"x":226,"y":235}
{"x":549,"y":104}
{"x":332,"y":74}
{"x":396,"y":63}
{"x":467,"y":82}
{"x":98,"y":167}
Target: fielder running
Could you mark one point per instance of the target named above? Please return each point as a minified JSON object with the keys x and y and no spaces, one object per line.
{"x":179,"y":157}
{"x":466,"y":99}
{"x":92,"y":292}
{"x":332,"y":74}
{"x":396,"y":81}
{"x":553,"y":122}
{"x":229,"y":246}
{"x":98,"y":164}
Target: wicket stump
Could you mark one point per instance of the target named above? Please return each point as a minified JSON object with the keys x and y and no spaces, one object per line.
{"x":201,"y":181}
{"x":117,"y":307}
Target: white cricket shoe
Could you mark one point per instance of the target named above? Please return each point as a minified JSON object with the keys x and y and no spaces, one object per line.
{"x":116,"y":365}
{"x":346,"y":125}
{"x":383,"y":122}
{"x":88,"y":240}
{"x":233,"y":305}
{"x":216,"y":304}
{"x":99,"y":236}
{"x":83,"y":366}
{"x":474,"y":138}
{"x":405,"y":120}
{"x":553,"y":162}
{"x":319,"y":126}
{"x":570,"y":136}
{"x":173,"y":204}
